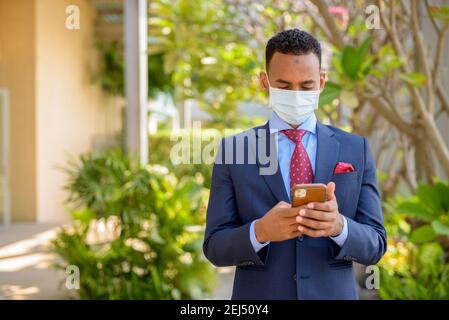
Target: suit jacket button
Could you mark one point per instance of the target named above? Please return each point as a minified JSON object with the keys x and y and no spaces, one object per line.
{"x":294,"y":277}
{"x":300,"y":239}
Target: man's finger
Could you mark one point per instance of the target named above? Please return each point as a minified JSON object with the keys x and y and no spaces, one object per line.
{"x":312,"y":233}
{"x":292,"y":221}
{"x":330,"y":190}
{"x":295,"y":233}
{"x":328,"y":206}
{"x":317,"y":215}
{"x":283,"y":204}
{"x":290,"y":212}
{"x":314,"y":224}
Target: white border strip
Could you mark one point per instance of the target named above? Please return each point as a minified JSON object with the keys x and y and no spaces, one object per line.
{"x":4,"y":94}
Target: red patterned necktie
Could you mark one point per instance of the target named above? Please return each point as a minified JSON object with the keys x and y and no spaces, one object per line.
{"x":300,"y":166}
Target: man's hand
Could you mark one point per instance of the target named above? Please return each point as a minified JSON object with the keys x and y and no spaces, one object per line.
{"x":278,"y":224}
{"x":321,"y":219}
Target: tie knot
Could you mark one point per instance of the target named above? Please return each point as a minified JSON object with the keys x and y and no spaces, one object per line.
{"x":294,"y":135}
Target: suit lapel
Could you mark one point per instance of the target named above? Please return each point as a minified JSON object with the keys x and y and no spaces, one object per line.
{"x":274,"y":181}
{"x":327,"y":154}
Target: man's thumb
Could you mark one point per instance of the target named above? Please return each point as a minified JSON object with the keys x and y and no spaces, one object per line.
{"x":330,"y":190}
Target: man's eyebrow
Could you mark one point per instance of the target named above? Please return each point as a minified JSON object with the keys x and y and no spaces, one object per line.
{"x":283,"y":81}
{"x":305,"y":82}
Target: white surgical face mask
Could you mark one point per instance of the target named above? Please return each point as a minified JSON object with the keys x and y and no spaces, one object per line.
{"x":293,"y":106}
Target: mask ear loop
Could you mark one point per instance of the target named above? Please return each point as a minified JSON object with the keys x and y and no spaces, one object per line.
{"x":269,"y":89}
{"x":268,"y":80}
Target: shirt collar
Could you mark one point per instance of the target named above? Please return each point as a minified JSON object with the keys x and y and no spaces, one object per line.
{"x":277,"y":124}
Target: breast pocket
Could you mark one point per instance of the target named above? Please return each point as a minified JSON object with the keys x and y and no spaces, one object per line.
{"x":346,"y":190}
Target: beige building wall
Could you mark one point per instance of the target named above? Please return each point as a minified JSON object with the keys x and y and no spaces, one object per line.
{"x":57,"y":112}
{"x":17,"y":75}
{"x":71,"y":111}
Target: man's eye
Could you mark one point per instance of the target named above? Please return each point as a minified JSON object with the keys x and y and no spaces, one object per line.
{"x":284,"y":88}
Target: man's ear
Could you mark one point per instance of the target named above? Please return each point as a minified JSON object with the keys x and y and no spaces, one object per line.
{"x":323,"y":78}
{"x":264,"y":81}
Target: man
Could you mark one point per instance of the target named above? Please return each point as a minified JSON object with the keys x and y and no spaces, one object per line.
{"x":295,"y":253}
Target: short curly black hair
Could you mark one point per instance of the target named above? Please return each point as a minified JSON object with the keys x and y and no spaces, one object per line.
{"x":292,"y":41}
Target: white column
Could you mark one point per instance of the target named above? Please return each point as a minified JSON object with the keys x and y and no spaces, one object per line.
{"x":136,"y":77}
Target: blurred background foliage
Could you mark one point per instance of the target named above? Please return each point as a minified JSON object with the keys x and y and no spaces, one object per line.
{"x":137,"y":231}
{"x":385,"y":81}
{"x":416,"y":265}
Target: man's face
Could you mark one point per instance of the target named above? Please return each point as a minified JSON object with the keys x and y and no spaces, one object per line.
{"x":293,"y":72}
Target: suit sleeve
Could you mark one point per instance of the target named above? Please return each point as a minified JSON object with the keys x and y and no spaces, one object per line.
{"x":366,"y":242}
{"x":227,"y":241}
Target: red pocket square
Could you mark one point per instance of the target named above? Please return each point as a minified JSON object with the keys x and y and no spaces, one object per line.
{"x":343,"y":167}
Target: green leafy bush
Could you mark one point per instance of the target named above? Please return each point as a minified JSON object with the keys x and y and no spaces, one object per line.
{"x":430,"y":207}
{"x":416,"y":265}
{"x":137,"y":231}
{"x":200,"y":160}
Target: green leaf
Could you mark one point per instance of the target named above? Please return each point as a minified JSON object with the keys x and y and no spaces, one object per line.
{"x":331,"y":92}
{"x":415,"y":79}
{"x":415,"y":210}
{"x":336,"y":62}
{"x":443,"y":192}
{"x":430,"y":198}
{"x":364,"y":48}
{"x":355,"y":61}
{"x":423,"y":234}
{"x":83,"y":215}
{"x":351,"y":62}
{"x":440,"y":228}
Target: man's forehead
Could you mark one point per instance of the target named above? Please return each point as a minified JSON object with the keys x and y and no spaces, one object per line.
{"x":294,"y":63}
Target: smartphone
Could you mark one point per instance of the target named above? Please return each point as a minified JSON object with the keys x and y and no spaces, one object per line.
{"x":301,"y":194}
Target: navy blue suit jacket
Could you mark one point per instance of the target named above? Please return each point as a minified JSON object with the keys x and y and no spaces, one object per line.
{"x":303,"y":267}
